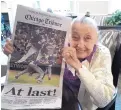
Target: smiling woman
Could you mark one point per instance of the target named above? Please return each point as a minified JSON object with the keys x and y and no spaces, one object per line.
{"x":84,"y":37}
{"x":91,"y":61}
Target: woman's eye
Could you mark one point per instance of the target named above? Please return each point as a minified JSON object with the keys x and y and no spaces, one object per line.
{"x":87,"y":38}
{"x":75,"y":38}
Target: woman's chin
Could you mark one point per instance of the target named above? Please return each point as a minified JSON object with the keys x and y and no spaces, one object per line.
{"x":81,"y":56}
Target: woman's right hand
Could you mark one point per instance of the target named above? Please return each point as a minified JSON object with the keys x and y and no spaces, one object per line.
{"x":8,"y":48}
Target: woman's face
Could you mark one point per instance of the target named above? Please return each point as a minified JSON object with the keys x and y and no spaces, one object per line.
{"x":83,"y":39}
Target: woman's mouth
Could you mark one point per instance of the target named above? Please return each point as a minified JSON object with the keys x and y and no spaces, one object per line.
{"x":80,"y":51}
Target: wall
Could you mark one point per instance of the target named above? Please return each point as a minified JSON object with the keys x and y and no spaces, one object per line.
{"x":96,"y":7}
{"x":114,"y":5}
{"x":4,"y":8}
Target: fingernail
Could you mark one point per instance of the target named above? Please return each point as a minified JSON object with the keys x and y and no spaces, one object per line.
{"x":67,"y":54}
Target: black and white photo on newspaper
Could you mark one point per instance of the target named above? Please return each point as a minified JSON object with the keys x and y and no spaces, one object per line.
{"x":34,"y":78}
{"x":38,"y":50}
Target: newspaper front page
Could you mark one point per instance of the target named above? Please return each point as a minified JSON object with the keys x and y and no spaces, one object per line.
{"x":35,"y":74}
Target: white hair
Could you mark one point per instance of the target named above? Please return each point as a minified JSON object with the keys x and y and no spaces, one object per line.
{"x":86,"y":20}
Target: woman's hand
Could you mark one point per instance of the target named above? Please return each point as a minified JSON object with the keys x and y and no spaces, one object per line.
{"x":69,"y":54}
{"x":8,"y":48}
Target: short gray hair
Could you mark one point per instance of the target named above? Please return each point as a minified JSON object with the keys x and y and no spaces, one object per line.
{"x":86,"y":20}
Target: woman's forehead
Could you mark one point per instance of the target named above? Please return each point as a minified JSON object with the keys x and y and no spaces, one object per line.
{"x":78,"y":27}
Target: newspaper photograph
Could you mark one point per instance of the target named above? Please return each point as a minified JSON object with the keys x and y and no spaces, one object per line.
{"x":35,"y":74}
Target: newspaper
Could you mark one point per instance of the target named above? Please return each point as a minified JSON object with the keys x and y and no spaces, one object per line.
{"x":35,"y":74}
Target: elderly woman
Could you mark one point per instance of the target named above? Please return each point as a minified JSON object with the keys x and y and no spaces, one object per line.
{"x":91,"y":61}
{"x":88,"y":65}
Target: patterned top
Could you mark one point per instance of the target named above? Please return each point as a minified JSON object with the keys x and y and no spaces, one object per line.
{"x":96,"y":89}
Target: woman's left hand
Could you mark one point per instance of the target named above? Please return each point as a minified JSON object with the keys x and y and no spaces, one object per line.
{"x":69,"y":54}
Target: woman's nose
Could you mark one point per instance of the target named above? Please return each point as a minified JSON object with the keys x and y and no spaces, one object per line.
{"x":81,"y":43}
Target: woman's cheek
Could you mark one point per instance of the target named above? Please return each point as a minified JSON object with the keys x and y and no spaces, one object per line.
{"x":73,"y":44}
{"x":89,"y":46}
